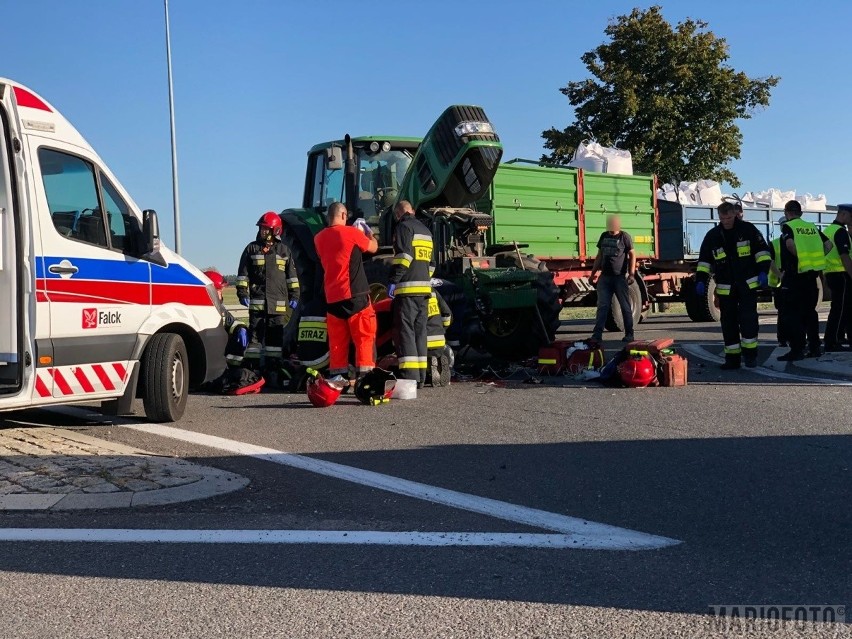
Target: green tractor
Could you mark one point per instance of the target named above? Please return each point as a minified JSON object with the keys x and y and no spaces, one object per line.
{"x":513,"y":305}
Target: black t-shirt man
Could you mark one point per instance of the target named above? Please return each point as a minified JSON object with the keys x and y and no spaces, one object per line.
{"x":614,"y":248}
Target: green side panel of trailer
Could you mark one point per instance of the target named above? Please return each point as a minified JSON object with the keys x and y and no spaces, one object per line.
{"x":631,"y":197}
{"x":538,"y":206}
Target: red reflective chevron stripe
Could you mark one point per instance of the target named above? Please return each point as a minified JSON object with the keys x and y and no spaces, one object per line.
{"x":119,"y":368}
{"x":60,"y":382}
{"x":40,"y":387}
{"x":26,"y":99}
{"x":84,"y":381}
{"x":102,"y":375}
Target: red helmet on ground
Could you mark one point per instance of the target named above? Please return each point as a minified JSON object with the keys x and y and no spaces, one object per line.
{"x":637,"y":371}
{"x":272,"y":221}
{"x":217,"y":279}
{"x":320,"y":392}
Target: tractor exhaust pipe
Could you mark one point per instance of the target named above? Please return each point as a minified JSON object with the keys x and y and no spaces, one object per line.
{"x":351,"y":180}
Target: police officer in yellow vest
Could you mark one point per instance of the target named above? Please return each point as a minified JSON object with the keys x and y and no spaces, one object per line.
{"x":838,"y":277}
{"x":803,"y":250}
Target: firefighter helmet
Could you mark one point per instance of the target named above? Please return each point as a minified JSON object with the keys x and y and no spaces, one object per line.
{"x":321,"y":392}
{"x":216,"y":277}
{"x":375,"y":387}
{"x":272,"y":221}
{"x":637,"y":371}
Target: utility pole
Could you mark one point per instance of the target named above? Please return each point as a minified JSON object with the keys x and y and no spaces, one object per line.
{"x":175,"y":196}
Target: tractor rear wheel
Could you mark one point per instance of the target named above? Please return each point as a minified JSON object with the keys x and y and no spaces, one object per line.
{"x":516,"y":334}
{"x":377,"y":271}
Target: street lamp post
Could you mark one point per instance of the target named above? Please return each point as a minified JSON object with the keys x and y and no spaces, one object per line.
{"x":175,"y":197}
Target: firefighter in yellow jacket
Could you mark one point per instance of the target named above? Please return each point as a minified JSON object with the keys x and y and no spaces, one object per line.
{"x":735,"y":252}
{"x":411,"y":287}
{"x":268,"y":285}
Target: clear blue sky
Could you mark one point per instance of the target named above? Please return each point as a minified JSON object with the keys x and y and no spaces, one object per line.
{"x":257,"y":82}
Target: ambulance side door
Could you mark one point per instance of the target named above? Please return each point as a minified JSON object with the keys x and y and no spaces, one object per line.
{"x":97,"y":287}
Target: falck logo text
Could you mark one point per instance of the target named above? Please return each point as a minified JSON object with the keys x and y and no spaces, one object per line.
{"x":92,"y":318}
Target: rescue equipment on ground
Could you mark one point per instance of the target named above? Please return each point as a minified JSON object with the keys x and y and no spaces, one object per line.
{"x":642,"y":359}
{"x":237,"y":380}
{"x":570,"y":357}
{"x":638,"y":370}
{"x":375,"y":387}
{"x":322,"y":392}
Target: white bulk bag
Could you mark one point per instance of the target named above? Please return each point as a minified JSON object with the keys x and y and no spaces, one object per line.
{"x":667,"y":193}
{"x":618,"y":161}
{"x":688,"y":194}
{"x":813,"y":202}
{"x":589,"y":156}
{"x":709,"y":192}
{"x":774,"y":198}
{"x":785,"y":196}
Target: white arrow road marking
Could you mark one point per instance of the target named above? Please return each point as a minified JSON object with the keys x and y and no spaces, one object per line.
{"x":588,"y":534}
{"x":305,"y":537}
{"x":698,"y":351}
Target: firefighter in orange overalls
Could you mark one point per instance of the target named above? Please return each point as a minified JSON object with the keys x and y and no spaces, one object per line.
{"x":349,"y":314}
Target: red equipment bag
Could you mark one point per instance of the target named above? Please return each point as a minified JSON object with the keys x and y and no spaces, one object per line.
{"x":592,"y":358}
{"x":551,"y":359}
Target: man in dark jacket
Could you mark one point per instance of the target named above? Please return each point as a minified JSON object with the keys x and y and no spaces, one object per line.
{"x":735,"y":252}
{"x":411,"y":287}
{"x":268,"y":285}
{"x":616,"y":263}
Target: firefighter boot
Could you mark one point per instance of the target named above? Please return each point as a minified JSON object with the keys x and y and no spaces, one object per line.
{"x":732,"y":362}
{"x":750,"y":359}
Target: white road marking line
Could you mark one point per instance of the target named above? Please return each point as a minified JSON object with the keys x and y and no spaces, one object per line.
{"x":698,"y":351}
{"x":772,"y":363}
{"x":305,"y":537}
{"x":605,"y":536}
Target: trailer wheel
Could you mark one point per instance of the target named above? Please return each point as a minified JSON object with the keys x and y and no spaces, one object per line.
{"x":615,"y":322}
{"x":165,"y":377}
{"x":706,"y":309}
{"x":687,"y":294}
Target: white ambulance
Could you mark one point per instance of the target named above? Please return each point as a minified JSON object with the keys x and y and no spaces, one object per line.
{"x":92,"y":306}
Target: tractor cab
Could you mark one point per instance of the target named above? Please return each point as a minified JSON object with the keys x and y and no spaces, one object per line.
{"x":452,"y":167}
{"x":368,"y":182}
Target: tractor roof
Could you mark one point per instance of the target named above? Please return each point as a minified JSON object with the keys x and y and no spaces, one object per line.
{"x":405,"y":142}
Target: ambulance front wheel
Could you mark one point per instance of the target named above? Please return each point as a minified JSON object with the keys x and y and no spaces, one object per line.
{"x":165,"y":378}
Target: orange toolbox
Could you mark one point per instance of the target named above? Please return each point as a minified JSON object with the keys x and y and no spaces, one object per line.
{"x":674,"y":370}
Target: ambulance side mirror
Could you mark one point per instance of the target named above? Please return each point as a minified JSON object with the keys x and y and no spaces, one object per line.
{"x":151,"y":237}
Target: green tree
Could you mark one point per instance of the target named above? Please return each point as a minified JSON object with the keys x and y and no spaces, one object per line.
{"x":664,"y":93}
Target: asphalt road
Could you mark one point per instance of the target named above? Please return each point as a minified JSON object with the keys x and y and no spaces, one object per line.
{"x":750,"y":473}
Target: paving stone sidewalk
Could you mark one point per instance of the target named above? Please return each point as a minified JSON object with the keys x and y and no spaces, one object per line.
{"x":59,"y":469}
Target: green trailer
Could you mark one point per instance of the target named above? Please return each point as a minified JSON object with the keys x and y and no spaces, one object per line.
{"x":557,"y":214}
